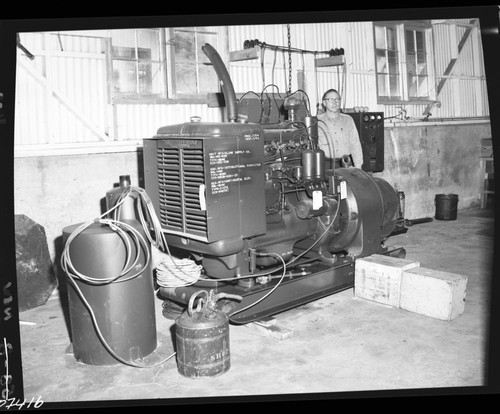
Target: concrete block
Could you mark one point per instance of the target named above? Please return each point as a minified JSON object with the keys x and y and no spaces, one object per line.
{"x":378,"y":278}
{"x":433,"y":293}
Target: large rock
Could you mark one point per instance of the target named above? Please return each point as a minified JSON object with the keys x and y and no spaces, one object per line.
{"x":35,"y":273}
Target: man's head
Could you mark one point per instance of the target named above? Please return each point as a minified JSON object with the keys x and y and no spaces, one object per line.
{"x":331,"y":101}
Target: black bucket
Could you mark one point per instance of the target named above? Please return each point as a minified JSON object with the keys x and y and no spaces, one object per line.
{"x":446,"y":206}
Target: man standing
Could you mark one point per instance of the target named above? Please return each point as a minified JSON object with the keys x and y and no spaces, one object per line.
{"x":337,"y":133}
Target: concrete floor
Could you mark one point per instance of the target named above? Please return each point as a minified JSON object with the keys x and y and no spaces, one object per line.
{"x":333,"y":345}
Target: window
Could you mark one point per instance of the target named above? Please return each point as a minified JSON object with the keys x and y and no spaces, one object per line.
{"x":402,"y":67}
{"x":137,"y":63}
{"x":194,"y":75}
{"x":387,"y":63}
{"x":416,"y":64}
{"x":158,"y":65}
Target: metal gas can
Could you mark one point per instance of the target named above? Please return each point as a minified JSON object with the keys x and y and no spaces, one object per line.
{"x":202,"y":338}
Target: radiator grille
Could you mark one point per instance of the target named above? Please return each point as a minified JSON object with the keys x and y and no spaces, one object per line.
{"x":180,"y":174}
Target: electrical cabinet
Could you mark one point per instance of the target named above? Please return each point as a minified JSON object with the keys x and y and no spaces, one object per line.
{"x":370,"y":127}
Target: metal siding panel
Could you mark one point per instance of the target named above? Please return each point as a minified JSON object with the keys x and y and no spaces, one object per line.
{"x":320,"y":37}
{"x":85,"y":78}
{"x":390,"y":111}
{"x":31,"y":110}
{"x":82,"y":81}
{"x":462,"y":100}
{"x":360,"y":92}
{"x":60,"y":72}
{"x":234,"y":38}
{"x":359,"y":49}
{"x":32,"y":41}
{"x":469,"y":97}
{"x":95,"y":81}
{"x":80,"y":77}
{"x":244,"y":79}
{"x":136,"y":122}
{"x":485,"y":102}
{"x":465,"y":62}
{"x":442,"y":53}
{"x":447,"y":99}
{"x":28,"y":128}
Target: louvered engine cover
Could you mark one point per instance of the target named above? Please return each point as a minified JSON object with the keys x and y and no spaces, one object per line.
{"x":206,"y":180}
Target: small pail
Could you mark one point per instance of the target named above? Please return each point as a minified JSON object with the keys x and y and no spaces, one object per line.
{"x":446,"y":206}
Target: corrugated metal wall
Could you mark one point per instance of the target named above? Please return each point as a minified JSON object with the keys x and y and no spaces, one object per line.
{"x":463,"y":95}
{"x":61,"y":96}
{"x":356,"y":79}
{"x":142,"y":121}
{"x":464,"y":92}
{"x":31,"y":112}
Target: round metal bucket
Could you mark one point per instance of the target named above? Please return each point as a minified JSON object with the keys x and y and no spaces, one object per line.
{"x":446,"y":206}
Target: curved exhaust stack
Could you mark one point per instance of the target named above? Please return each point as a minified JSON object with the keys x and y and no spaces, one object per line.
{"x":225,"y":80}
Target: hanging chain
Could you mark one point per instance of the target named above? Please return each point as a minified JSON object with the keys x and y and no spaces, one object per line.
{"x":289,"y":59}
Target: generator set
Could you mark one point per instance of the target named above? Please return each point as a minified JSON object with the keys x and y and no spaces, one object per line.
{"x":270,"y":223}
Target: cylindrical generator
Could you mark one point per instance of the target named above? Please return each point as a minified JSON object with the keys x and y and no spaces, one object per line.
{"x":368,"y":215}
{"x":124,"y":309}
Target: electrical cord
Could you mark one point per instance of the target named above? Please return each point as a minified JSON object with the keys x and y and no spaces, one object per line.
{"x":308,"y":106}
{"x":268,"y":99}
{"x":262,"y":70}
{"x":284,"y":265}
{"x":70,"y":270}
{"x":171,"y":271}
{"x":143,"y":203}
{"x":159,"y":241}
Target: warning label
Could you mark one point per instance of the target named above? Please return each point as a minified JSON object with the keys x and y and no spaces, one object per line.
{"x":225,"y":168}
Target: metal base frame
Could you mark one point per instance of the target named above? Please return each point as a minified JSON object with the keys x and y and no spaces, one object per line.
{"x":312,"y":281}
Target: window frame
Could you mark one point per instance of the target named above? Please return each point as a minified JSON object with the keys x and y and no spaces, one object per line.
{"x":137,"y":98}
{"x":400,"y":29}
{"x":171,"y":57}
{"x":167,"y":56}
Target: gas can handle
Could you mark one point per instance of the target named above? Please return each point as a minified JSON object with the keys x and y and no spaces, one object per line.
{"x":200,"y":303}
{"x":223,"y":295}
{"x":210,"y":305}
{"x":209,"y":302}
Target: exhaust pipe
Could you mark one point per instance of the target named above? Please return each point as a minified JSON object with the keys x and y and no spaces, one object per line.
{"x":225,"y":81}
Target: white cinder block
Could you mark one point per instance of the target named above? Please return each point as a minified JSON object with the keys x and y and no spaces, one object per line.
{"x":378,"y":278}
{"x":433,"y":293}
